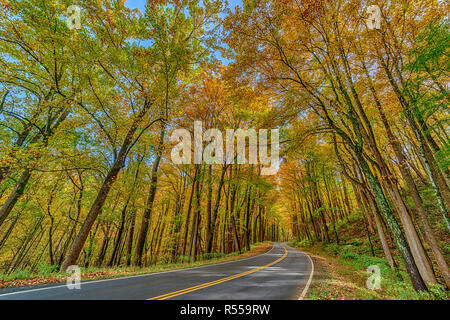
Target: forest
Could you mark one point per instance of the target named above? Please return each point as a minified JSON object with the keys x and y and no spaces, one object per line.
{"x":88,"y":107}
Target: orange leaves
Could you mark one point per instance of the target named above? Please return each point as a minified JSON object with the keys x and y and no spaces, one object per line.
{"x":5,"y":4}
{"x":109,"y":18}
{"x":311,"y":9}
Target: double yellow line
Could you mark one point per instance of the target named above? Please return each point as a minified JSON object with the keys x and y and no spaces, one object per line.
{"x":213,"y":283}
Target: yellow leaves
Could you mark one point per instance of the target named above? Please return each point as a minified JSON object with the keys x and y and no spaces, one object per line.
{"x":19,"y":158}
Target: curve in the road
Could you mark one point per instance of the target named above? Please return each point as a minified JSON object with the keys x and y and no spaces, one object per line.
{"x":213,"y":283}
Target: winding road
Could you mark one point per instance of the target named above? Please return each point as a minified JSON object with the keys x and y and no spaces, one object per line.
{"x":282,"y":273}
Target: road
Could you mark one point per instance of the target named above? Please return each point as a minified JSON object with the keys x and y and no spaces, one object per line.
{"x":282,"y":273}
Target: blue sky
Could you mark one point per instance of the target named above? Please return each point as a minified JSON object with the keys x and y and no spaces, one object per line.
{"x":132,"y":4}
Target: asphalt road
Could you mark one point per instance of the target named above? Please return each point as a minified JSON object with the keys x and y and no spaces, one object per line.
{"x":282,"y":273}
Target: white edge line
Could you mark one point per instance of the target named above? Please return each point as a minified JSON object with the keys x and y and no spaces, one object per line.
{"x":305,"y":290}
{"x":136,"y":276}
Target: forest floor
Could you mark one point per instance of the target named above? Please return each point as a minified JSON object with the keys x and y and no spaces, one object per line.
{"x":45,"y":276}
{"x":341,"y":270}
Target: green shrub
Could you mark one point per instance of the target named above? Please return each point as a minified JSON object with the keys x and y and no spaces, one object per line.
{"x":437,"y":291}
{"x":181,"y":259}
{"x":347,"y":248}
{"x":305,"y":243}
{"x":334,"y":249}
{"x":18,"y":275}
{"x":356,"y":242}
{"x":44,"y":269}
{"x":209,"y":256}
{"x":350,"y":255}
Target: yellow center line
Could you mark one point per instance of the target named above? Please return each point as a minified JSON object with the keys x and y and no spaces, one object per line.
{"x":212,"y":283}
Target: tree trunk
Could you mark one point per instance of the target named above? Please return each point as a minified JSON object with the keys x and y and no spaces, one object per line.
{"x":149,"y":206}
{"x":402,"y":244}
{"x":212,"y":225}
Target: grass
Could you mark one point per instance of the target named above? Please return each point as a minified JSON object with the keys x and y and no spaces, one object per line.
{"x":51,"y":274}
